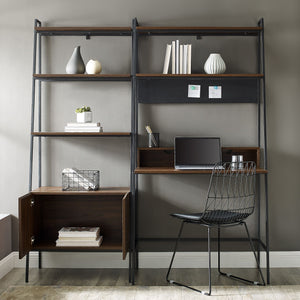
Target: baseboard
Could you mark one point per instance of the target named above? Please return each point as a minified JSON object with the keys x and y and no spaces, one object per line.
{"x":288,"y":259}
{"x":7,"y":264}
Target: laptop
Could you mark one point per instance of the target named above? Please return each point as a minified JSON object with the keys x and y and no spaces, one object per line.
{"x":199,"y":153}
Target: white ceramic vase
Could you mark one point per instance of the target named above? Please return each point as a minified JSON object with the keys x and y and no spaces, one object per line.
{"x":93,"y":67}
{"x":214,"y":64}
{"x":84,"y":117}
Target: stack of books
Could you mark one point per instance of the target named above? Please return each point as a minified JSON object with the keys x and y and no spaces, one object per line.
{"x":180,"y":56}
{"x":83,"y":127}
{"x":79,"y":237}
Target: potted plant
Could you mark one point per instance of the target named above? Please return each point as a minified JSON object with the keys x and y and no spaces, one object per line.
{"x":84,"y":114}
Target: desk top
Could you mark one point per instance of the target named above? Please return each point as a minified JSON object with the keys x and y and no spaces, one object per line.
{"x":168,"y":170}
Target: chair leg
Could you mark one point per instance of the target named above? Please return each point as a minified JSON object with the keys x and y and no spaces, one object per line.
{"x":174,"y":252}
{"x":172,"y":260}
{"x":255,"y":256}
{"x":252,"y":249}
{"x":209,"y":261}
{"x":219,"y":253}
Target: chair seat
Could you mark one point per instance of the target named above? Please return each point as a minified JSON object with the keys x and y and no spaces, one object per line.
{"x":213,"y":217}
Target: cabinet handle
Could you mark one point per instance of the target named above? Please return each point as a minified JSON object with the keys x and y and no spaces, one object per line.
{"x":31,"y":202}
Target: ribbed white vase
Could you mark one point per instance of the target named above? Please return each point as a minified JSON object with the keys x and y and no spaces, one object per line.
{"x":214,"y":64}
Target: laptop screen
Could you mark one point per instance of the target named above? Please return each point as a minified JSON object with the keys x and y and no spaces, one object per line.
{"x":197,"y":151}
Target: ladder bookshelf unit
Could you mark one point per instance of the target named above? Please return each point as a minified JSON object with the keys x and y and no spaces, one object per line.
{"x":146,"y":88}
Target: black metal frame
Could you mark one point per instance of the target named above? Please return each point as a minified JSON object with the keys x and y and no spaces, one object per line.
{"x":219,"y":259}
{"x":37,"y":76}
{"x":259,"y":100}
{"x":230,"y":200}
{"x":135,"y":33}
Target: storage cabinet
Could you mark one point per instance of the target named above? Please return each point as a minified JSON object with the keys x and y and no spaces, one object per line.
{"x":44,"y":211}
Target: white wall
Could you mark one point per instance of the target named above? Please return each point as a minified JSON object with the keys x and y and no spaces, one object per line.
{"x":111,"y":102}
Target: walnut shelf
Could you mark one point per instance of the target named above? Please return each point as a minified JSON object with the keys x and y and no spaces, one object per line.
{"x":200,"y":31}
{"x":85,"y":31}
{"x":82,"y":134}
{"x":82,"y":77}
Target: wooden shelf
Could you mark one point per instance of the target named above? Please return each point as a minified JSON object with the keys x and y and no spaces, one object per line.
{"x":57,"y":190}
{"x":201,"y":31}
{"x":82,"y":77}
{"x":82,"y":134}
{"x":105,"y":246}
{"x":85,"y":31}
{"x":228,"y":75}
{"x":168,"y":170}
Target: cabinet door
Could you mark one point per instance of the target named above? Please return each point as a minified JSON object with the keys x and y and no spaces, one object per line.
{"x":25,"y":224}
{"x":125,"y":224}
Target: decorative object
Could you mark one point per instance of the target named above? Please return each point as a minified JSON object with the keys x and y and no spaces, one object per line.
{"x":84,"y":114}
{"x":153,"y":138}
{"x":80,"y":180}
{"x":214,"y":64}
{"x":93,"y":67}
{"x":75,"y":64}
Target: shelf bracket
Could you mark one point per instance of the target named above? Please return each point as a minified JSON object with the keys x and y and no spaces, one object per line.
{"x":88,"y":37}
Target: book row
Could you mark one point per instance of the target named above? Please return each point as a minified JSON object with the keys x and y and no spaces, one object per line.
{"x":180,"y":57}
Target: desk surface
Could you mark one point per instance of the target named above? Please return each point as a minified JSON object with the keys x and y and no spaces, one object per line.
{"x":168,"y":170}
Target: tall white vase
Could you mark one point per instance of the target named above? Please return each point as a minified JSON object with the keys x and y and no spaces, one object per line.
{"x":214,"y":64}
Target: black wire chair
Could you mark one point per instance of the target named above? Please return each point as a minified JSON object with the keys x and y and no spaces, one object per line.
{"x":230,"y":200}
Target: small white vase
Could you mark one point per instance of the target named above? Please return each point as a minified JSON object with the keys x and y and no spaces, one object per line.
{"x":214,"y":64}
{"x":93,"y":67}
{"x":84,"y":117}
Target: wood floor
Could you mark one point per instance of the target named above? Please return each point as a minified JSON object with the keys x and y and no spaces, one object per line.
{"x":144,"y":277}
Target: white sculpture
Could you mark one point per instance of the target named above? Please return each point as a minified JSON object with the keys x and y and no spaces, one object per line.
{"x":93,"y":67}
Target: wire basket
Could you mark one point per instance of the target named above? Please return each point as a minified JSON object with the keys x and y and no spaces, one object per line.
{"x":80,"y":180}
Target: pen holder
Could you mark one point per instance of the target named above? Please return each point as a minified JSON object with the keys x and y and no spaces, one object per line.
{"x":153,"y":140}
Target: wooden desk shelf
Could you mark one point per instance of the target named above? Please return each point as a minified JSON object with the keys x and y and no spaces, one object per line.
{"x":161,"y":160}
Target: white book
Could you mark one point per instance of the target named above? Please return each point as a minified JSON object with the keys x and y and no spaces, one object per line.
{"x":85,"y":129}
{"x":82,"y":125}
{"x":79,"y":243}
{"x":79,"y":232}
{"x":78,"y":238}
{"x":167,"y":59}
{"x":185,"y":54}
{"x":177,"y":57}
{"x":173,"y":57}
{"x":189,"y":59}
{"x":181,"y":59}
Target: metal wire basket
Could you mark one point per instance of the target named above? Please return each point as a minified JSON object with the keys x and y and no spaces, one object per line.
{"x":80,"y":180}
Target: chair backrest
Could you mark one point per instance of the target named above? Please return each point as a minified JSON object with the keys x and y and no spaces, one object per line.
{"x":231,"y":193}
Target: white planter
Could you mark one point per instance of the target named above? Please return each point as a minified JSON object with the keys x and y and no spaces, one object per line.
{"x":84,"y":117}
{"x":214,"y":64}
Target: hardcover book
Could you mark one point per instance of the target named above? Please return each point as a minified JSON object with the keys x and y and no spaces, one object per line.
{"x":79,"y":232}
{"x":79,"y":243}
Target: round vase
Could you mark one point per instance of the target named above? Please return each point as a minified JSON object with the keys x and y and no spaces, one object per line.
{"x":75,"y":64}
{"x":93,"y":67}
{"x":214,"y":64}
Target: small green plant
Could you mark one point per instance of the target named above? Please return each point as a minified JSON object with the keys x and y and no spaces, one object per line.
{"x":83,"y":109}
